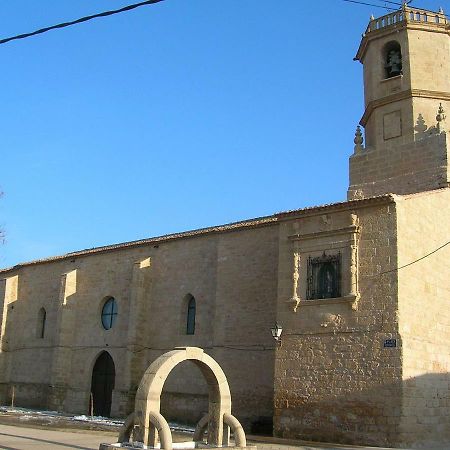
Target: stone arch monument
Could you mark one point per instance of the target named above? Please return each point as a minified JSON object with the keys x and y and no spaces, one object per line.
{"x":146,"y":422}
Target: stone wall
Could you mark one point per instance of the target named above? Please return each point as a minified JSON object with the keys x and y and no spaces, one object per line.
{"x":336,"y":376}
{"x":233,"y":277}
{"x":424,"y":288}
{"x":334,"y":380}
{"x":403,"y":169}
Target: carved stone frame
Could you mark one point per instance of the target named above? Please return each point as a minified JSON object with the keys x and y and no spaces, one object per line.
{"x":344,"y":240}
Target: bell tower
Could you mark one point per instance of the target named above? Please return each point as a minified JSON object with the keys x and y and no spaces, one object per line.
{"x":406,"y":59}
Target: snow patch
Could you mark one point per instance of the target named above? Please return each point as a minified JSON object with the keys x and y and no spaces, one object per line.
{"x":29,"y":414}
{"x":98,"y":420}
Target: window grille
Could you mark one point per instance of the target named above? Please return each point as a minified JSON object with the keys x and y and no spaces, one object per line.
{"x":324,"y":276}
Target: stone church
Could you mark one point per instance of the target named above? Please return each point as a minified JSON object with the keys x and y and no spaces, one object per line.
{"x":360,"y":288}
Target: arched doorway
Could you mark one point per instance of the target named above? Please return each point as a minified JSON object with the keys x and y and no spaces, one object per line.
{"x":102,"y":385}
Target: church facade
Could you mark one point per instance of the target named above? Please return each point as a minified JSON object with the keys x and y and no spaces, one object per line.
{"x":360,"y":288}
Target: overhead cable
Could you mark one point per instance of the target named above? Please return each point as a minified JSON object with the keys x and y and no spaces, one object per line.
{"x":417,"y":260}
{"x":77,"y":21}
{"x":395,"y":3}
{"x":371,"y":4}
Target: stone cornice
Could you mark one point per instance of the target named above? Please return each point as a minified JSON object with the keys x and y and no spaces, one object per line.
{"x":398,"y":96}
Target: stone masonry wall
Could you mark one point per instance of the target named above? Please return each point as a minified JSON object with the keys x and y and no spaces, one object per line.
{"x":424,"y":292}
{"x":233,"y":277}
{"x":404,"y":169}
{"x":334,"y":380}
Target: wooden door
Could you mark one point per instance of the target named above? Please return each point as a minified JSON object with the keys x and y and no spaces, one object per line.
{"x":103,"y":378}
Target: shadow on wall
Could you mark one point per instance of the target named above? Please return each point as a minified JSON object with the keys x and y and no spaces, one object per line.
{"x":22,"y":392}
{"x":414,"y":413}
{"x":18,"y":384}
{"x":184,"y":398}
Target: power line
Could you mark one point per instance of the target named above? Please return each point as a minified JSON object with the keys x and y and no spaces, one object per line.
{"x":396,"y":269}
{"x":368,"y":4}
{"x":417,"y":260}
{"x":77,"y":21}
{"x":368,"y":287}
{"x":382,"y":1}
{"x":395,"y":3}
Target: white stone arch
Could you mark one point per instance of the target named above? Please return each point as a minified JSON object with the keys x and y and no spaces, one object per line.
{"x":148,"y":397}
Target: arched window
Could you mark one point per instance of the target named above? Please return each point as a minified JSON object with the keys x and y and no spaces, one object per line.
{"x":392,"y":59}
{"x":190,"y":322}
{"x":42,"y":316}
{"x":324,"y":276}
{"x":109,"y":313}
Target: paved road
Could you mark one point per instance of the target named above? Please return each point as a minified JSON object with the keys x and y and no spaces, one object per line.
{"x":21,"y":438}
{"x":24,"y":438}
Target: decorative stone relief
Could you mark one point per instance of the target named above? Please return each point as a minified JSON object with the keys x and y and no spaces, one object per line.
{"x":333,"y":321}
{"x":354,"y":291}
{"x":343,"y":241}
{"x":325,"y":222}
{"x":358,"y":194}
{"x":295,"y":278}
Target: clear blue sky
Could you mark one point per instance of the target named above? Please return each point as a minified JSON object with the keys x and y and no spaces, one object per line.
{"x":180,"y":115}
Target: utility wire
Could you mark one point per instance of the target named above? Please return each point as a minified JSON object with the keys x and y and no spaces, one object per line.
{"x":249,"y":347}
{"x":396,"y":269}
{"x":367,"y":289}
{"x":377,"y":277}
{"x":417,"y":260}
{"x":369,"y":4}
{"x":394,"y":3}
{"x":77,"y":21}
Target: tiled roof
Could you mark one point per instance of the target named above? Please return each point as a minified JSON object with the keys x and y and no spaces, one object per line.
{"x":251,"y":223}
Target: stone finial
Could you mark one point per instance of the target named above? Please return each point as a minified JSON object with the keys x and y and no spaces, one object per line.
{"x":359,"y":147}
{"x":441,"y":118}
{"x":441,"y":10}
{"x":372,"y":17}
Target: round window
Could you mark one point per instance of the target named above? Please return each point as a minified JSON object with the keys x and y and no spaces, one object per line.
{"x":109,"y":313}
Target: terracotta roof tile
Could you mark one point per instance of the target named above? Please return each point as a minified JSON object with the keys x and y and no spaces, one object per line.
{"x":251,"y":223}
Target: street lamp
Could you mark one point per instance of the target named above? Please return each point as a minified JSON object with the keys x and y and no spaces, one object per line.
{"x":276,"y":331}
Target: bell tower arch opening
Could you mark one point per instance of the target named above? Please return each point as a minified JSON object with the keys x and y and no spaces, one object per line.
{"x":392,"y":58}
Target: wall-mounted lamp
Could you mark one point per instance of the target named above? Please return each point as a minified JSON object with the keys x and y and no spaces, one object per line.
{"x":276,"y":331}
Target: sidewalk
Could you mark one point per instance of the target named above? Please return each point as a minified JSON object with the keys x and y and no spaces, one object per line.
{"x":16,"y":437}
{"x":271,"y":443}
{"x":22,"y":429}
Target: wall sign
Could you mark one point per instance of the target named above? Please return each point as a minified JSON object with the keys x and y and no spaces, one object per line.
{"x":390,"y":343}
